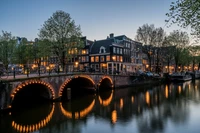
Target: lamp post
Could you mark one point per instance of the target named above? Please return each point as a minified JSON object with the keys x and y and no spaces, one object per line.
{"x":76,"y":65}
{"x":36,"y":59}
{"x":150,"y":53}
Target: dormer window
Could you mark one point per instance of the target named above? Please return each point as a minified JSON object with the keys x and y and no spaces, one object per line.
{"x":102,"y":49}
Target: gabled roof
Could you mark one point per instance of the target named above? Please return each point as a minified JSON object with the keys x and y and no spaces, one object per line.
{"x":97,"y":44}
{"x":121,"y":37}
{"x":106,"y":43}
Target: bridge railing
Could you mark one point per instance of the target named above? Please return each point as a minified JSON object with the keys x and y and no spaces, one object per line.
{"x":28,"y":74}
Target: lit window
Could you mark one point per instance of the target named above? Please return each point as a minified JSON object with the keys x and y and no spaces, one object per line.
{"x":83,"y":51}
{"x":92,"y":59}
{"x":108,"y":58}
{"x":97,"y":59}
{"x":114,"y":58}
{"x":121,"y":59}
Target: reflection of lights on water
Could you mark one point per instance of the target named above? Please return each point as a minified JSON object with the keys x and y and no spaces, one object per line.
{"x":166,"y":91}
{"x":147,"y":97}
{"x":121,"y":104}
{"x":107,"y":101}
{"x":179,"y":89}
{"x":79,"y":114}
{"x":189,"y":87}
{"x":132,"y":99}
{"x":195,"y":86}
{"x":114,"y":116}
{"x":34,"y":127}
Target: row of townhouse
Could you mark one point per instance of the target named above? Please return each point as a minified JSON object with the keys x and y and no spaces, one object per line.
{"x":113,"y":54}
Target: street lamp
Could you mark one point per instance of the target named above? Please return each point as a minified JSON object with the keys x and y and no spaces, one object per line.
{"x":35,"y":48}
{"x":76,"y":65}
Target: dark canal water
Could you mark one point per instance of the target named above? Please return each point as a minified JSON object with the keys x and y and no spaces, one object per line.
{"x":171,"y":108}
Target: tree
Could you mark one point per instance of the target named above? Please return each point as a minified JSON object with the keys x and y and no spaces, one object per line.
{"x":62,"y":34}
{"x":22,"y":51}
{"x":151,"y":37}
{"x":185,"y":58}
{"x":168,"y":52}
{"x":194,"y":54}
{"x":160,"y":37}
{"x":41,"y":49}
{"x":185,"y":13}
{"x":179,"y":40}
{"x":7,"y":45}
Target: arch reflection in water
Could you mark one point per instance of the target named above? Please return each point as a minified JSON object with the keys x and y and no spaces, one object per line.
{"x":76,"y":110}
{"x":33,"y":127}
{"x":107,"y":101}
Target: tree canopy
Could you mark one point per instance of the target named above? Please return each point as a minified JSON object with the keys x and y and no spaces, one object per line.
{"x":62,"y":35}
{"x":185,"y":13}
{"x":179,"y":40}
{"x":7,"y":45}
{"x":151,"y":37}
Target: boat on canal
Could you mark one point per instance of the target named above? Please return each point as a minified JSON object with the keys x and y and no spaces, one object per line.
{"x":180,"y":77}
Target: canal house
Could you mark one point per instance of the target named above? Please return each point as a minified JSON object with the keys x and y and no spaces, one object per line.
{"x":107,"y":55}
{"x":132,"y":53}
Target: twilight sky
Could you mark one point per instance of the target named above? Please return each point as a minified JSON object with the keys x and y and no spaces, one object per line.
{"x":97,"y":18}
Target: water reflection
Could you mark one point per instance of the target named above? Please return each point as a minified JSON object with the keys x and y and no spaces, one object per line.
{"x":162,"y":108}
{"x":30,"y":120}
{"x":105,"y":101}
{"x":79,"y":108}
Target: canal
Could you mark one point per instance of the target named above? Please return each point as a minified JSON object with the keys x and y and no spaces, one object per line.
{"x":167,"y":108}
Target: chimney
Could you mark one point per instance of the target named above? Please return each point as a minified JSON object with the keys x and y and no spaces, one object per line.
{"x":111,"y":35}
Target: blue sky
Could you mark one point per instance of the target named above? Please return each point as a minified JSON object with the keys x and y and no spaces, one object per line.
{"x":97,"y":18}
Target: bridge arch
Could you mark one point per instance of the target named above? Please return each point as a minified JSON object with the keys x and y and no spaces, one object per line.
{"x":103,"y":80}
{"x":26,"y":83}
{"x":33,"y":127}
{"x":67,"y":81}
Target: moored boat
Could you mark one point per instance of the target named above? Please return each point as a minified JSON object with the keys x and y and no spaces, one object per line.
{"x":180,"y":77}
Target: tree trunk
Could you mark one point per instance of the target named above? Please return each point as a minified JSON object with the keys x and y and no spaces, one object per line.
{"x":157,"y":64}
{"x":193,"y":64}
{"x":150,"y":64}
{"x":63,"y":61}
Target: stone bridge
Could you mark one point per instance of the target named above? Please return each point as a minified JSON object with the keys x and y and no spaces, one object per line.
{"x":56,"y":86}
